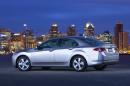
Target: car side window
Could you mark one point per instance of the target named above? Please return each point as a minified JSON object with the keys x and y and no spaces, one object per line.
{"x":49,"y":44}
{"x":68,"y":43}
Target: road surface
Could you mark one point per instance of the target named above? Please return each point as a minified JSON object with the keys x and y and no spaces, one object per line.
{"x":117,"y":75}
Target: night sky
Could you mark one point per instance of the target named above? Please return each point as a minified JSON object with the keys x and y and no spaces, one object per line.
{"x":40,"y":14}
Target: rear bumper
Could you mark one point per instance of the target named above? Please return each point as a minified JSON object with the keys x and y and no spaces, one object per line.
{"x":111,"y":62}
{"x":107,"y":60}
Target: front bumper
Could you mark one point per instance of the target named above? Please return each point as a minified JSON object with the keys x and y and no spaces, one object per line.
{"x":14,"y":57}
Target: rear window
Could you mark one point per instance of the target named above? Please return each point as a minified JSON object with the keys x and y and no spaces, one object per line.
{"x":91,"y":41}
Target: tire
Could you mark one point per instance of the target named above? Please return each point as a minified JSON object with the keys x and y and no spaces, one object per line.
{"x":23,"y":63}
{"x":100,"y":67}
{"x":78,"y":63}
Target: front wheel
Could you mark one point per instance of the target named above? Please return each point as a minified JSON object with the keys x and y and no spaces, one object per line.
{"x":23,"y":64}
{"x":79,"y":63}
{"x":100,"y":67}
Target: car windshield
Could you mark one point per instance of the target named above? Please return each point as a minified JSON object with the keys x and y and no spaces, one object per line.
{"x":91,"y":41}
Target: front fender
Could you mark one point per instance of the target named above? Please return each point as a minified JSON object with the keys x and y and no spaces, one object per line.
{"x":16,"y":55}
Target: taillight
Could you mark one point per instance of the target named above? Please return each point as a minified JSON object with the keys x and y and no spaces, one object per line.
{"x":100,"y":49}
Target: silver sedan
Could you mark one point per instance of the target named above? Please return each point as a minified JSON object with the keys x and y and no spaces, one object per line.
{"x":74,"y":52}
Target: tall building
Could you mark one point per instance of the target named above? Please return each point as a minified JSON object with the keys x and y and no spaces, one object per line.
{"x":71,"y":30}
{"x":29,"y":39}
{"x":53,"y":32}
{"x":123,"y":40}
{"x":89,"y":30}
{"x":118,"y":29}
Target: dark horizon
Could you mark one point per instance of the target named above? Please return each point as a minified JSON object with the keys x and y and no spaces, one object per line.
{"x":41,"y":14}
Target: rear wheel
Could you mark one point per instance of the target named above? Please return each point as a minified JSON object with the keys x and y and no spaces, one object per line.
{"x":23,"y":63}
{"x":100,"y":67}
{"x":79,"y":63}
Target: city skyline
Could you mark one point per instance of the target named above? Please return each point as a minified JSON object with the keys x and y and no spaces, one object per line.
{"x":12,"y":42}
{"x":41,"y":14}
{"x":23,"y":27}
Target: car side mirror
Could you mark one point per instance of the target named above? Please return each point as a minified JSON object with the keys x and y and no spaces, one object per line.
{"x":39,"y":47}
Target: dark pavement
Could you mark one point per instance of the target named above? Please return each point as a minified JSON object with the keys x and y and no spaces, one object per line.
{"x":116,"y":75}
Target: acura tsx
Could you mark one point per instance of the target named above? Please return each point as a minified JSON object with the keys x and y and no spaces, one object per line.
{"x":74,"y":52}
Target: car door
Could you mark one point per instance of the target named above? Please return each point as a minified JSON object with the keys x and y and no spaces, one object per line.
{"x":44,"y":54}
{"x":63,"y":53}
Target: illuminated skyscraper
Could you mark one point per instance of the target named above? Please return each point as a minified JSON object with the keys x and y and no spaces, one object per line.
{"x":29,"y":39}
{"x":71,"y":30}
{"x":53,"y":32}
{"x":89,"y":30}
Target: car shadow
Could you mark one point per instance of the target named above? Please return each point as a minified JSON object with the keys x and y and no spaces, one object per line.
{"x":63,"y":69}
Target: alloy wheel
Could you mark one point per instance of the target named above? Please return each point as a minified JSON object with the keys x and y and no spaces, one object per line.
{"x":79,"y":64}
{"x":23,"y":64}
